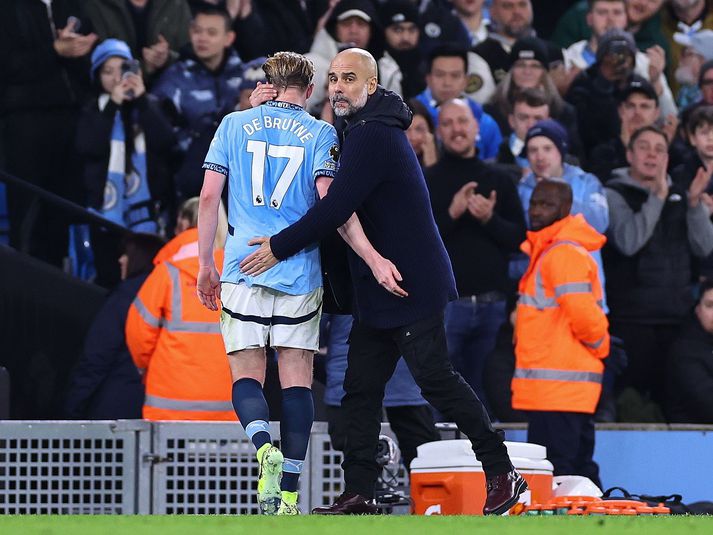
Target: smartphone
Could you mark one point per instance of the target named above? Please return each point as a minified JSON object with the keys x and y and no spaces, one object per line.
{"x":129,"y":67}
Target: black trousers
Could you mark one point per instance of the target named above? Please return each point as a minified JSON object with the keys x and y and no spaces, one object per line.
{"x":569,"y":439}
{"x":373,"y":354}
{"x":413,"y":425}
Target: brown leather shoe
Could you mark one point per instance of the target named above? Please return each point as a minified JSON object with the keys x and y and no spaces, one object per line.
{"x":503,"y":492}
{"x":348,"y":504}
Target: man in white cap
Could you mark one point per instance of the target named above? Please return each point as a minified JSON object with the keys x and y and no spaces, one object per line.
{"x":698,"y":50}
{"x":348,"y":23}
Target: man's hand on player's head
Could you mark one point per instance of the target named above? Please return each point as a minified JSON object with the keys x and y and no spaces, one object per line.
{"x":208,"y":287}
{"x":260,"y":260}
{"x":387,"y":275}
{"x":262,"y":93}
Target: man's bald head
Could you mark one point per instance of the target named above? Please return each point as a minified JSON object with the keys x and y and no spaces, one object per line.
{"x":457,"y":127}
{"x":352,"y":78}
{"x":558,"y":187}
{"x":360,"y":56}
{"x":458,"y":103}
{"x":551,"y":201}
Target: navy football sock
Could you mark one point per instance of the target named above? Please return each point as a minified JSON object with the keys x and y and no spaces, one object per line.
{"x":251,"y":407}
{"x":295,"y":428}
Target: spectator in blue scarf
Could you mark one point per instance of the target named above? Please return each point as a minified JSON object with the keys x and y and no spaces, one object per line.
{"x":123,"y":140}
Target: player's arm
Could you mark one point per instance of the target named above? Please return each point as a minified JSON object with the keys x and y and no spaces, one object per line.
{"x":208,"y":285}
{"x":352,"y":232}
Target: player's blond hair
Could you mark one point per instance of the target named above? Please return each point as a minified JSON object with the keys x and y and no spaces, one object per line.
{"x":289,"y":69}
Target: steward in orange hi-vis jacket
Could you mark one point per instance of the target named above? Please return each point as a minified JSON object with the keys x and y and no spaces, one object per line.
{"x":177,"y":341}
{"x":561,"y":330}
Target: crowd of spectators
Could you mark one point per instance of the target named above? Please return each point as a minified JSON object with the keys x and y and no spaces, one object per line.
{"x":112,"y":104}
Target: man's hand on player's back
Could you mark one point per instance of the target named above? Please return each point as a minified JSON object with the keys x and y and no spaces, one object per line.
{"x":384,"y":270}
{"x":258,"y":261}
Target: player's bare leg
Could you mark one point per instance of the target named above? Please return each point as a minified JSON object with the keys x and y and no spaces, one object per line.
{"x":248,"y":370}
{"x":295,"y":367}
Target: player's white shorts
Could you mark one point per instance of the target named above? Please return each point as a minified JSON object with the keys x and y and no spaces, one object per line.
{"x":251,"y":314}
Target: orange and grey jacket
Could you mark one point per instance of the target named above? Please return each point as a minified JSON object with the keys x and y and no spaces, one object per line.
{"x":561,"y":331}
{"x":176,"y":341}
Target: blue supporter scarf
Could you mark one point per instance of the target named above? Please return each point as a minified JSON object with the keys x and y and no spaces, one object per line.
{"x":589,"y":56}
{"x":127,"y":199}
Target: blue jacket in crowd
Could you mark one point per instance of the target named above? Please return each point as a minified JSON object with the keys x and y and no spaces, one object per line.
{"x":200,"y":97}
{"x":489,"y":135}
{"x":588,"y":196}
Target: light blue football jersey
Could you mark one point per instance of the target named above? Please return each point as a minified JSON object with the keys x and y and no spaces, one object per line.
{"x":272,"y":155}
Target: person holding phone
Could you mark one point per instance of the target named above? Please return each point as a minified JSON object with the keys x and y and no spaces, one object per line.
{"x":44,"y":61}
{"x":123,"y":139}
{"x":596,"y":91}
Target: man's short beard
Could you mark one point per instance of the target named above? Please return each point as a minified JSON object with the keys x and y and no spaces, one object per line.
{"x":525,"y":31}
{"x":511,"y":32}
{"x":352,"y":107}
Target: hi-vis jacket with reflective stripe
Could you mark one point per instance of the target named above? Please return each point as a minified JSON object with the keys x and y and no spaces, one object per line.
{"x":177,"y":341}
{"x":561,"y":331}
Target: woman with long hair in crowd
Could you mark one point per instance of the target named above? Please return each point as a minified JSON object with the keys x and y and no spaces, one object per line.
{"x":530,"y":62}
{"x":421,"y":134}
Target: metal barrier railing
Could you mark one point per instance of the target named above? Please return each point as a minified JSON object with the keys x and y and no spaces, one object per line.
{"x":140,"y":467}
{"x":71,"y":468}
{"x":70,"y":209}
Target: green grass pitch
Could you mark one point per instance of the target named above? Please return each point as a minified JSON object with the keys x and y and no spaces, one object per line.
{"x":313,"y":525}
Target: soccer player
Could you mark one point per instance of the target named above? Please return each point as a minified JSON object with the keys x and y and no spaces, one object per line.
{"x":380,"y":176}
{"x":277,"y":159}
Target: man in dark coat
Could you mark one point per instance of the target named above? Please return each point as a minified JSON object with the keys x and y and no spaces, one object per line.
{"x":480,"y":218}
{"x":381,"y":179}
